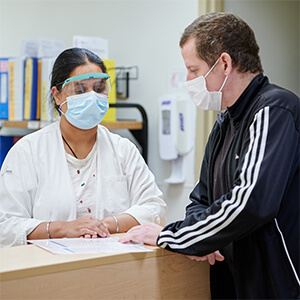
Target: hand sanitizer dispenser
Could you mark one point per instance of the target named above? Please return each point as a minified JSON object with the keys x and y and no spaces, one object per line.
{"x":176,"y":138}
{"x":167,"y":128}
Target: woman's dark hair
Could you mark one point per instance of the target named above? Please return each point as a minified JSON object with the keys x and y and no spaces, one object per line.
{"x":67,"y":61}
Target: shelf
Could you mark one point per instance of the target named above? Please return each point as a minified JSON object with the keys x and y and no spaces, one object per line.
{"x":138,"y":129}
{"x":131,"y":125}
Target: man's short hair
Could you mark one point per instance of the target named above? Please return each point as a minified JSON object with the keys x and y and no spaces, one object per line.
{"x":216,"y":33}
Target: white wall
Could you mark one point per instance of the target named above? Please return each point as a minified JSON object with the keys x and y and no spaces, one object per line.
{"x":276,"y":25}
{"x":145,"y":33}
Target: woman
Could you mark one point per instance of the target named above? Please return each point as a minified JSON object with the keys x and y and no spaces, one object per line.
{"x":74,"y":178}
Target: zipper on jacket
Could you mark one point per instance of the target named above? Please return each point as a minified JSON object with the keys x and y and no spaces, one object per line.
{"x":217,"y":138}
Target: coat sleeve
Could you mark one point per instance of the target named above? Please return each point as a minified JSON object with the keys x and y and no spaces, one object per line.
{"x":147,"y":204}
{"x":18,"y":185}
{"x":269,"y":153}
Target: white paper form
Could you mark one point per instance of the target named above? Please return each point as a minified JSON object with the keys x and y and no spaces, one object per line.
{"x":85,"y":246}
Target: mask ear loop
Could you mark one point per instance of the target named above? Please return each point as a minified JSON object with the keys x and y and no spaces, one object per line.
{"x":212,"y":68}
{"x":223,"y":84}
{"x":60,"y":107}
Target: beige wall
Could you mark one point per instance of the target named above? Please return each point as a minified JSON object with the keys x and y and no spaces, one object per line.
{"x":276,"y":25}
{"x":277,"y":28}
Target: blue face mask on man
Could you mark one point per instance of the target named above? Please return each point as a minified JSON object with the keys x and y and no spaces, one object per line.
{"x":87,"y":110}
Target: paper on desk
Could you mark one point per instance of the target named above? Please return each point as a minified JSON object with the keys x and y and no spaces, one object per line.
{"x":82,"y":245}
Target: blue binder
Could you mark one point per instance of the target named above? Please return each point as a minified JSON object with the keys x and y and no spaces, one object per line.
{"x":4,"y":88}
{"x":31,"y":88}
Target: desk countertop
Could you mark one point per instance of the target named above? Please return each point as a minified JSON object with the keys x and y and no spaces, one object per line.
{"x":30,"y":260}
{"x":30,"y":272}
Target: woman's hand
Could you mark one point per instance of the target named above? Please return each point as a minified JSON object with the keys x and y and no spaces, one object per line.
{"x":147,"y":233}
{"x":212,"y":257}
{"x":86,"y":226}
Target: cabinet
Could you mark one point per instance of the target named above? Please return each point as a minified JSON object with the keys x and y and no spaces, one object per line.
{"x":138,"y":129}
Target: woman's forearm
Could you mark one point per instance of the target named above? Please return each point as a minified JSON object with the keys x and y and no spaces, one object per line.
{"x":125,"y":222}
{"x":55,"y":230}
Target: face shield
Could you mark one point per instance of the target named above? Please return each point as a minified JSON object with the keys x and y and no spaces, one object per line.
{"x":85,"y":83}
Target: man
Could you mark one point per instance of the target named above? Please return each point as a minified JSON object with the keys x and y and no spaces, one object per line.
{"x":246,"y":203}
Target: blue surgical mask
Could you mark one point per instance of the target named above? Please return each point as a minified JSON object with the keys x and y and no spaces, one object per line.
{"x":85,"y":111}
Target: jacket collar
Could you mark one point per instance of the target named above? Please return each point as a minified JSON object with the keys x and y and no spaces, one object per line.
{"x":238,"y":109}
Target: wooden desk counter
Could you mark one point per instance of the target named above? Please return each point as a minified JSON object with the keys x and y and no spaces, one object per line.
{"x":29,"y":272}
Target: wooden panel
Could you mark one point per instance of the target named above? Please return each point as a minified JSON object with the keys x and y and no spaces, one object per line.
{"x":182,"y":278}
{"x":29,"y":260}
{"x":123,"y":125}
{"x":171,"y":276}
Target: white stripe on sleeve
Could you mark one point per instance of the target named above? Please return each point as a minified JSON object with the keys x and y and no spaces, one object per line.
{"x":231,"y":208}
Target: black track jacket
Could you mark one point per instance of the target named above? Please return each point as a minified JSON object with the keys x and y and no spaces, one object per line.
{"x":260,"y":213}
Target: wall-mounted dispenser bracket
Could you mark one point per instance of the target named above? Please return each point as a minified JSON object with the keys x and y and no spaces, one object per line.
{"x":123,"y":76}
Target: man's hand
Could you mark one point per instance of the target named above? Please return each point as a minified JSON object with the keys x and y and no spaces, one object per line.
{"x":147,"y":233}
{"x":212,"y":257}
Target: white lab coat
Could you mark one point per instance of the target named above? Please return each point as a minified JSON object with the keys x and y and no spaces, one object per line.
{"x":35,"y":184}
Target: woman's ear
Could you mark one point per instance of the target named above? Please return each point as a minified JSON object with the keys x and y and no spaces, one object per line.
{"x":56,"y":95}
{"x":226,"y":61}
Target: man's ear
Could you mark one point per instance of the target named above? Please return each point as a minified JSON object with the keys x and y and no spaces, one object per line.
{"x":226,"y":62}
{"x":56,"y":95}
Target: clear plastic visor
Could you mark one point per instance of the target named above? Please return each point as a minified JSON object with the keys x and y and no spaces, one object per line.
{"x":85,"y":83}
